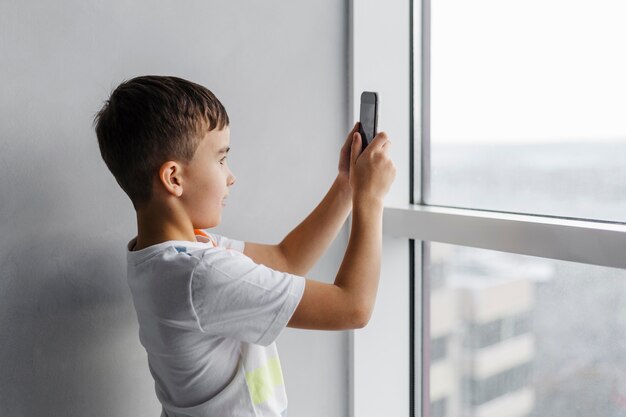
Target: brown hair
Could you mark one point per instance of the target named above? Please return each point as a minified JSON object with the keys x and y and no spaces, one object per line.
{"x":152,"y":119}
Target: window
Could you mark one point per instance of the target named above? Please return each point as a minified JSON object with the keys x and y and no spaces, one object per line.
{"x":438,"y":348}
{"x":438,"y":408}
{"x":527,"y":110}
{"x":479,"y":392}
{"x":532,"y":335}
{"x":521,"y":143}
{"x":508,"y":212}
{"x":481,"y":335}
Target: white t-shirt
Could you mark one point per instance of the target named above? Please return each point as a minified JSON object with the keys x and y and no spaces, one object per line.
{"x":208,"y":318}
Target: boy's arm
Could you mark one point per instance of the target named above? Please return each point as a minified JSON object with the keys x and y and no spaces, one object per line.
{"x":305,"y":244}
{"x":302,"y":247}
{"x":349,"y":301}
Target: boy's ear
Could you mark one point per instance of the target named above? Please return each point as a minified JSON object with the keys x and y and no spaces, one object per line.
{"x":170,"y":176}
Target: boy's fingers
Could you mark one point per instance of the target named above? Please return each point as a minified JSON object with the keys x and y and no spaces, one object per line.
{"x":386,"y":145}
{"x":351,"y":135}
{"x":356,"y":147}
{"x":379,"y":140}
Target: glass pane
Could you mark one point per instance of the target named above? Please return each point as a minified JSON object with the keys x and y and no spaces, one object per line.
{"x":515,"y":336}
{"x":528,"y":107}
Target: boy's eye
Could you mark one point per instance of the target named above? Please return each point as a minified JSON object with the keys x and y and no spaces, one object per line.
{"x":222,"y":160}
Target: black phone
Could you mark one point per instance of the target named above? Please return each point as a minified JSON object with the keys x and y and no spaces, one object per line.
{"x":368,"y":121}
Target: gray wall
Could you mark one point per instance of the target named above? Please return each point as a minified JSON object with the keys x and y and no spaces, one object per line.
{"x":68,"y":332}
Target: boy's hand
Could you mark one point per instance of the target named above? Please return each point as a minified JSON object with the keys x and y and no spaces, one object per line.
{"x":372,"y":170}
{"x":344,"y":157}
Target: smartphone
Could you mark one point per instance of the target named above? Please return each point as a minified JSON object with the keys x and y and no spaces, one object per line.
{"x":369,"y":117}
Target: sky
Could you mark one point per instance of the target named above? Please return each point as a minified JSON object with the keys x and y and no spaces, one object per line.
{"x":528,"y":71}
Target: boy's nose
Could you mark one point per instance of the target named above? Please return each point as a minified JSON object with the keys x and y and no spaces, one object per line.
{"x":231,"y":180}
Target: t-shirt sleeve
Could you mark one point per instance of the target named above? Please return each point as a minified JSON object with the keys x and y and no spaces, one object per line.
{"x":232,"y":296}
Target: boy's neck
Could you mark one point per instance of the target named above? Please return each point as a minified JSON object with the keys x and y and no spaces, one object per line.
{"x":160,"y":224}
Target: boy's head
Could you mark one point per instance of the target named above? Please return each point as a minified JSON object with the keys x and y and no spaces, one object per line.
{"x":149,"y":131}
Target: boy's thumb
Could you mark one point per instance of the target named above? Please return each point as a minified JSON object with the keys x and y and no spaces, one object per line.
{"x":355,"y":151}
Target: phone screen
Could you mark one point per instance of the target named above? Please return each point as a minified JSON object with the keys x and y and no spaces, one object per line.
{"x":369,"y":101}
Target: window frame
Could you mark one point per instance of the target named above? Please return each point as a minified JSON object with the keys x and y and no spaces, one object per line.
{"x":552,"y":237}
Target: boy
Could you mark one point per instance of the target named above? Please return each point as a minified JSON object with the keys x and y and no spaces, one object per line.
{"x":210,"y":308}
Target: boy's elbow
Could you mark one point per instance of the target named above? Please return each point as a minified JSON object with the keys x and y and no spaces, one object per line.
{"x":361,"y":317}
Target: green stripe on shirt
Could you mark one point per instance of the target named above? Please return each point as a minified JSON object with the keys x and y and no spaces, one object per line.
{"x":263,"y":380}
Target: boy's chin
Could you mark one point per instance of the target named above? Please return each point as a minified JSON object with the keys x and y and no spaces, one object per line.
{"x":210,"y":224}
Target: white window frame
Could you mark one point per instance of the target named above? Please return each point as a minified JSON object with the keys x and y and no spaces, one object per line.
{"x":380,"y":376}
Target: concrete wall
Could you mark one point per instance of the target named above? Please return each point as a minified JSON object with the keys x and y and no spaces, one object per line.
{"x":68,"y":332}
